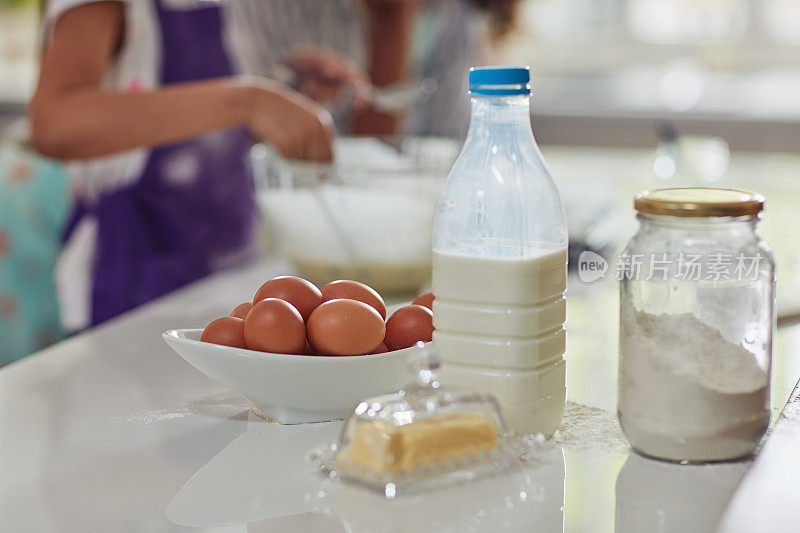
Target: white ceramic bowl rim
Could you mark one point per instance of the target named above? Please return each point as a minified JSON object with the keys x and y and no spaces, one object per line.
{"x":182,"y":334}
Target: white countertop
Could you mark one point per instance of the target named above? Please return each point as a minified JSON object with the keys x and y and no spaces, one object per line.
{"x":112,"y":431}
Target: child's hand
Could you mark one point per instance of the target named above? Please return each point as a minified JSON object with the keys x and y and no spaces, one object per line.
{"x":296,"y":126}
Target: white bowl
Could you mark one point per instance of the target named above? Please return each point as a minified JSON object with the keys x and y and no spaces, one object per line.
{"x":293,"y":389}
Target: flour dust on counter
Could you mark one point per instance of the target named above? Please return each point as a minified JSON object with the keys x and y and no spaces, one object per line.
{"x":586,"y":428}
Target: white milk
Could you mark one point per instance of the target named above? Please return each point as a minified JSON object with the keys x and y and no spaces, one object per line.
{"x":500,"y":329}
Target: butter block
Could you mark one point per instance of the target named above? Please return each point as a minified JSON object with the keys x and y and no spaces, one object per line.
{"x":387,"y":448}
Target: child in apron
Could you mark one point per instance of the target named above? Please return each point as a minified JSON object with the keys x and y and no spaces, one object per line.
{"x":150,"y":221}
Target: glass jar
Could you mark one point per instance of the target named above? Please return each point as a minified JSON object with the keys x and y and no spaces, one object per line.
{"x":697,"y":300}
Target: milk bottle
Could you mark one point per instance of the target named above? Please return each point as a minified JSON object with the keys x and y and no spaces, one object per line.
{"x":500,"y":258}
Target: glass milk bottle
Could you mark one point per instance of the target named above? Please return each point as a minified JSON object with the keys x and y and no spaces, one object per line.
{"x":500,"y":260}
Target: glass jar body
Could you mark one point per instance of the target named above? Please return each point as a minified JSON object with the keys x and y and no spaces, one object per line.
{"x":696,"y":328}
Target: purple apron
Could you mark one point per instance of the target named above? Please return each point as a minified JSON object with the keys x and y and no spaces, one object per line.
{"x":192,"y":211}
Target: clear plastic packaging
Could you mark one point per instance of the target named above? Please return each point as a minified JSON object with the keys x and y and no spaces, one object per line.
{"x":499,"y":199}
{"x":424,"y":436}
{"x":500,"y":252}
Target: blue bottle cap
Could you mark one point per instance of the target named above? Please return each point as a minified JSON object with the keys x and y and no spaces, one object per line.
{"x":499,"y":81}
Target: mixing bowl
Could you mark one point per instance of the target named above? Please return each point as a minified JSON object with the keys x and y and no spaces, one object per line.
{"x":367,"y":217}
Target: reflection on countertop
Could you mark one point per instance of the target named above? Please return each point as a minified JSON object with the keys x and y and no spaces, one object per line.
{"x":261,"y":475}
{"x":262,"y":479}
{"x":528,"y":498}
{"x":662,"y":497}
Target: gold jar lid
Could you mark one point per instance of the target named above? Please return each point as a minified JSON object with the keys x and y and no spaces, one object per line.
{"x":699,"y":202}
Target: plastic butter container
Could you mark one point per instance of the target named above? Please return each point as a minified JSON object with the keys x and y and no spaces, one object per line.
{"x":424,"y":436}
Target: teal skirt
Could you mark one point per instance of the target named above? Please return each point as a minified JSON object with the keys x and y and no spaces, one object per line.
{"x":34,"y":200}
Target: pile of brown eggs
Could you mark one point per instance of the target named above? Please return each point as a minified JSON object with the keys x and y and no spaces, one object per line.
{"x":291,"y":315}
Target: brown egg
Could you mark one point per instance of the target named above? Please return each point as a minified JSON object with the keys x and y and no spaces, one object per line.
{"x":241,"y":310}
{"x":353,"y":290}
{"x":301,"y":293}
{"x":380,"y":349}
{"x":227,"y":331}
{"x":274,"y":325}
{"x":426,"y":300}
{"x":407,"y":326}
{"x":345,"y":327}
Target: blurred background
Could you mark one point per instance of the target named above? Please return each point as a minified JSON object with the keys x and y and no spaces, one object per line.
{"x":611,"y":67}
{"x":627,"y":95}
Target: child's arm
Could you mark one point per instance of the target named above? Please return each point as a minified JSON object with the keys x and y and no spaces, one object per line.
{"x":72,"y":117}
{"x":390,"y":36}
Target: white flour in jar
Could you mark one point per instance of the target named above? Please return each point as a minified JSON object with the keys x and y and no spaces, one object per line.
{"x":685,"y":391}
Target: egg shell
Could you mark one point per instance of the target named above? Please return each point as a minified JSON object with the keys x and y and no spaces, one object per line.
{"x":354,"y":290}
{"x":275,"y":326}
{"x":425,"y":300}
{"x":241,"y":310}
{"x":380,"y":349}
{"x":299,"y":292}
{"x":407,"y":326}
{"x":345,"y":327}
{"x":227,"y":331}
